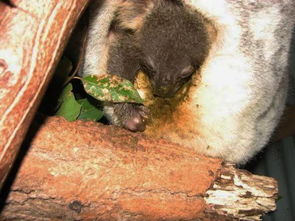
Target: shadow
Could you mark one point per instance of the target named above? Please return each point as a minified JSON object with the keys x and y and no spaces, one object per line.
{"x":49,"y":97}
{"x":275,"y":159}
{"x":33,"y":129}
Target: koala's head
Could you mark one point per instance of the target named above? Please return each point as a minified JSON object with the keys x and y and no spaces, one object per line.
{"x":174,"y":44}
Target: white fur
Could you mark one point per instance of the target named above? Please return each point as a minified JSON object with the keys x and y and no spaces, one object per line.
{"x":96,"y":52}
{"x":235,"y":89}
{"x":243,"y":87}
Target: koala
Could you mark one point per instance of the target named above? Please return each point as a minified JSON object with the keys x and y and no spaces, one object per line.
{"x":166,"y":40}
{"x":238,"y":78}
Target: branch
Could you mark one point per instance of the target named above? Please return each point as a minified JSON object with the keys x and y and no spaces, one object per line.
{"x":86,"y":171}
{"x":33,"y":35}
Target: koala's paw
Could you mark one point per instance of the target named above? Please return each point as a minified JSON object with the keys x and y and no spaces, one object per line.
{"x":132,"y":117}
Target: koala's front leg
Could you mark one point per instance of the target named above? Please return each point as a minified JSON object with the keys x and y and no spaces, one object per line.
{"x":130,"y":116}
{"x":124,"y":62}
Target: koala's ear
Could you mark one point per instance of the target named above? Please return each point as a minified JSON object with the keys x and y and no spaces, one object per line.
{"x":130,"y":14}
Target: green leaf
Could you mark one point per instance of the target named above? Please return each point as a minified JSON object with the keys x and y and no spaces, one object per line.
{"x":89,"y":111}
{"x":69,"y":108}
{"x":111,"y":88}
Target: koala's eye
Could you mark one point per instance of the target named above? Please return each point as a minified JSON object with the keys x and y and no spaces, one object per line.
{"x":187,"y":72}
{"x":148,"y":66}
{"x":147,"y":69}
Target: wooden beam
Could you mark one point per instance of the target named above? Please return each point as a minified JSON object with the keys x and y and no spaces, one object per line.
{"x":87,"y":171}
{"x":32,"y":38}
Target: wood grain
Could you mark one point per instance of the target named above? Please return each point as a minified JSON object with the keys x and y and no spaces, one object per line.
{"x":89,"y":171}
{"x":33,"y":35}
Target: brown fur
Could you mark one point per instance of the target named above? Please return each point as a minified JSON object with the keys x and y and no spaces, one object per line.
{"x":167,"y":41}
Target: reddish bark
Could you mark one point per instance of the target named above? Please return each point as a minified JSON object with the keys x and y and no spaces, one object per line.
{"x":33,"y":35}
{"x":104,"y":173}
{"x":87,"y":171}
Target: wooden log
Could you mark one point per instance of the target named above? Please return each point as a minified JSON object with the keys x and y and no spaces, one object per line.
{"x":33,"y":35}
{"x":89,"y":171}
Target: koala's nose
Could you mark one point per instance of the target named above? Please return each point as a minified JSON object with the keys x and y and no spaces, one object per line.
{"x":163,"y":91}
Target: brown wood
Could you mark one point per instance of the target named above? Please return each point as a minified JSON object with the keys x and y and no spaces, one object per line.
{"x":87,"y":171}
{"x":32,"y":37}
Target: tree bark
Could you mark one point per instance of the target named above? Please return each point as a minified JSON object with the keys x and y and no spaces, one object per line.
{"x":33,"y":35}
{"x":105,"y":173}
{"x":89,"y":171}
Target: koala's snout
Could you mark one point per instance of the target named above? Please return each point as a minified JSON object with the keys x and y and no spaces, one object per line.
{"x":165,"y":91}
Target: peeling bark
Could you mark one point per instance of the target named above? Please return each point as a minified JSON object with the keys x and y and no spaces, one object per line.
{"x":241,"y":194}
{"x":88,"y":171}
{"x":33,"y":35}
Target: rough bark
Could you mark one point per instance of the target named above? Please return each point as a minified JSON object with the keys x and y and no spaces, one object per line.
{"x":88,"y":171}
{"x":32,"y":37}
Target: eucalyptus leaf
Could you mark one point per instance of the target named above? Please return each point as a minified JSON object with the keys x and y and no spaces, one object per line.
{"x":89,"y":111}
{"x":69,"y":108}
{"x":111,"y":88}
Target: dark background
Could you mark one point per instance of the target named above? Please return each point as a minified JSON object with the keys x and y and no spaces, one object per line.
{"x":278,"y":160}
